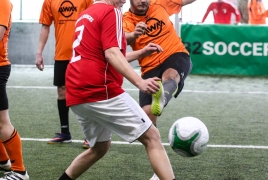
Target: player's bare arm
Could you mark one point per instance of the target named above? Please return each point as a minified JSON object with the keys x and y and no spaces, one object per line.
{"x":118,"y":61}
{"x":2,"y":31}
{"x":185,"y":2}
{"x":146,"y":51}
{"x":139,"y":30}
{"x":39,"y":59}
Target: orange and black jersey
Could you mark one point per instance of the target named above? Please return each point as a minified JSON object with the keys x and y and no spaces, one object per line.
{"x":257,"y":13}
{"x":64,"y":14}
{"x":5,"y":20}
{"x":160,"y":30}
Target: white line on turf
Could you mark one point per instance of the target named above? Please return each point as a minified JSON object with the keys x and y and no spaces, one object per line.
{"x":164,"y":144}
{"x":133,"y":89}
{"x":31,"y":87}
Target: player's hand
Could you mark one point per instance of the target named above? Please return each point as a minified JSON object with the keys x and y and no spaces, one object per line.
{"x":150,"y":48}
{"x":39,"y":61}
{"x":149,"y":86}
{"x":139,"y":29}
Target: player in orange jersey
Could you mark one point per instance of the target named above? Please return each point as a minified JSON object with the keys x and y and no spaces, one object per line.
{"x":10,"y":144}
{"x":256,"y":11}
{"x":148,"y":21}
{"x":64,"y":14}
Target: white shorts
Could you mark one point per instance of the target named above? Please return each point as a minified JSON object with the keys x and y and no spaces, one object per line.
{"x":121,"y":115}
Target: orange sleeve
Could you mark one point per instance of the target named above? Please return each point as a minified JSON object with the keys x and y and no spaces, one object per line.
{"x":171,"y":6}
{"x":128,"y":24}
{"x":46,"y":16}
{"x":5,"y":12}
{"x":256,"y":10}
{"x":266,"y":13}
{"x":89,"y":2}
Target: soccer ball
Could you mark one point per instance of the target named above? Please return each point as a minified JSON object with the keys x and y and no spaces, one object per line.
{"x":188,"y":136}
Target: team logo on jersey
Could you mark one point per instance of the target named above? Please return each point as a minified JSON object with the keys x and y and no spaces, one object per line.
{"x":67,"y":8}
{"x":154,"y":27}
{"x":224,"y":11}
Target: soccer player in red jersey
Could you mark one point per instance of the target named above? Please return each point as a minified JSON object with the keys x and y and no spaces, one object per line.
{"x":94,"y":91}
{"x":222,"y":12}
{"x":11,"y":159}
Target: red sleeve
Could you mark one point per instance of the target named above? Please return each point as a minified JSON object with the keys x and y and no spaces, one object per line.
{"x":236,"y":12}
{"x":46,"y":16}
{"x":208,"y":11}
{"x":111,"y":29}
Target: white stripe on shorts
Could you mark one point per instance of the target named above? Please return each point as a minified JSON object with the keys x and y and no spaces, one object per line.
{"x":121,"y":115}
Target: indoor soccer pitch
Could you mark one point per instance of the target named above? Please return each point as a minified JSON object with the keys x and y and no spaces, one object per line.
{"x":234,"y":109}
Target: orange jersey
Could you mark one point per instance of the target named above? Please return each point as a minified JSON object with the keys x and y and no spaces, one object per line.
{"x":5,"y":20}
{"x":257,"y":13}
{"x":64,"y":13}
{"x":160,"y":30}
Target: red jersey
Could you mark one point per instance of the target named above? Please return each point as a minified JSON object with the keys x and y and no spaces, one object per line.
{"x":5,"y":20}
{"x":89,"y":77}
{"x":222,"y":12}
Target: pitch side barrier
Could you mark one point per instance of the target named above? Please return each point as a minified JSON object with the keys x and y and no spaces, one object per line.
{"x":240,"y":50}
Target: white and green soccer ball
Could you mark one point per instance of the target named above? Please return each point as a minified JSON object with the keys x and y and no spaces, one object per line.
{"x":188,"y":136}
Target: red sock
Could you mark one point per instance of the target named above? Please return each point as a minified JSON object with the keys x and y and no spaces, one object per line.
{"x":14,"y":150}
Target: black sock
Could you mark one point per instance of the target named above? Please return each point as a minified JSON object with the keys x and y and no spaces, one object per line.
{"x":170,"y":88}
{"x":64,"y":176}
{"x":64,"y":116}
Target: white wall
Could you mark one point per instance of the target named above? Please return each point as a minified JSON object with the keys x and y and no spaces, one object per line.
{"x":194,"y":12}
{"x":190,"y":13}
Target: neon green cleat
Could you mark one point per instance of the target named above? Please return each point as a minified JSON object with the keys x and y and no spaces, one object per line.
{"x":158,"y":101}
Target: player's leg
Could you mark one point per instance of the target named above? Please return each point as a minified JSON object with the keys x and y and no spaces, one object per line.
{"x":99,"y":139}
{"x":9,"y":137}
{"x":157,"y":154}
{"x":85,"y":160}
{"x":174,"y":71}
{"x":5,"y":164}
{"x":128,"y":120}
{"x":145,"y":100}
{"x":59,"y":80}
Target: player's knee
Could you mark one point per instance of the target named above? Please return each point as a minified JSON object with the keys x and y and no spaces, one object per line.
{"x":151,"y":136}
{"x":171,"y":74}
{"x":61,"y":92}
{"x":4,"y":118}
{"x":101,"y":148}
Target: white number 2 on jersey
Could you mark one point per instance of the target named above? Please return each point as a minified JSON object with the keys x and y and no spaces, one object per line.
{"x":77,"y":43}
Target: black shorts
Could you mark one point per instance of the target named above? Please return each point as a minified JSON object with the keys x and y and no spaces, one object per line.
{"x":59,"y":72}
{"x":178,"y":61}
{"x":4,"y":75}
